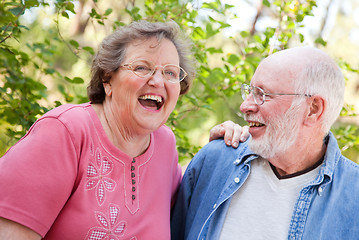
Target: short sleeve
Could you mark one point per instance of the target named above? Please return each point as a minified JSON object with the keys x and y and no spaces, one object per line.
{"x":37,"y":175}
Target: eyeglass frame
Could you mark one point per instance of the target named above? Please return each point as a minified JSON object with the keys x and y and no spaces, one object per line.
{"x":153,"y":70}
{"x":245,"y":87}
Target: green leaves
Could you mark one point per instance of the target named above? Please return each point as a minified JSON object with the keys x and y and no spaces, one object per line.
{"x":134,"y":13}
{"x":347,"y":137}
{"x":74,"y":43}
{"x":75,"y":80}
{"x":320,"y":41}
{"x":266,"y":3}
{"x":233,"y":59}
{"x":17,"y":11}
{"x":39,"y":63}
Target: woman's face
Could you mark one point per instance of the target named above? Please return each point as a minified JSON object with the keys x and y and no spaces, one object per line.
{"x":142,"y":105}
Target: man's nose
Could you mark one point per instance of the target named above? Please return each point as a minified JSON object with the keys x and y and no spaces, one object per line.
{"x":249,"y":105}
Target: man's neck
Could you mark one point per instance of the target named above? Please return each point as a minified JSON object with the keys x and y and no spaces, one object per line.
{"x":298,"y":158}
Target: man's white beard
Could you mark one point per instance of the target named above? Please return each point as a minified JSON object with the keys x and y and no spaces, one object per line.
{"x":281,"y":133}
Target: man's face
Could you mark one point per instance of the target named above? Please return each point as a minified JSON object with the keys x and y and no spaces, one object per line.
{"x":275,"y":124}
{"x":281,"y":133}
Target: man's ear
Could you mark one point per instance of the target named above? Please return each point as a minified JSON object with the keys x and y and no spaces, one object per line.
{"x":316,"y":108}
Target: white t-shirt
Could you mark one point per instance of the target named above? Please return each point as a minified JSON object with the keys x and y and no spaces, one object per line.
{"x":262,"y":208}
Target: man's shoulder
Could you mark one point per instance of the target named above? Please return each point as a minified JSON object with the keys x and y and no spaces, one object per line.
{"x":348,"y":166}
{"x":217,"y":152}
{"x":336,"y":163}
{"x":218,"y":146}
{"x":345,"y":177}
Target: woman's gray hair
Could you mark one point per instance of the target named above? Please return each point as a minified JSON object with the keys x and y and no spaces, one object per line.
{"x":112,"y":52}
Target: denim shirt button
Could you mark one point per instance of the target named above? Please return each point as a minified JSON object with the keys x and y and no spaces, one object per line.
{"x":236,"y":180}
{"x":320,"y":191}
{"x":236,"y":162}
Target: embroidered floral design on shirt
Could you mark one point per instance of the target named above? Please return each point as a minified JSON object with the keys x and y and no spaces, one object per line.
{"x":111,"y":228}
{"x":97,"y":174}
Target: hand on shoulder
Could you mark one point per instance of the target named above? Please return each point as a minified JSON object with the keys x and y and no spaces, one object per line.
{"x":231,"y":132}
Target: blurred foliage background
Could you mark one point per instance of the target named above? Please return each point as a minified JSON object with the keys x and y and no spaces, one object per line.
{"x":46,"y":48}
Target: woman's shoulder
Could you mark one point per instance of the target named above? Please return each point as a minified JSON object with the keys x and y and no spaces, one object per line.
{"x":68,"y":110}
{"x":164,"y":131}
{"x":75,"y":118}
{"x":164,"y":136}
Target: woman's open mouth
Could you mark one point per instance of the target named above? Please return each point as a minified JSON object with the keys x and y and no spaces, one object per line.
{"x":153,"y":102}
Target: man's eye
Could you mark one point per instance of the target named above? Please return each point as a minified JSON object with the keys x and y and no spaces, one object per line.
{"x":258,"y":93}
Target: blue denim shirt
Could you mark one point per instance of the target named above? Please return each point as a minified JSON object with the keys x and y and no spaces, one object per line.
{"x":327,"y":208}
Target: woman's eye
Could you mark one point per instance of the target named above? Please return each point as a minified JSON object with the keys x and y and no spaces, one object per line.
{"x":171,"y":73}
{"x":140,"y":68}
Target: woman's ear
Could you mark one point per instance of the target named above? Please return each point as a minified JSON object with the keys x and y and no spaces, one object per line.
{"x":108,"y":88}
{"x":106,"y":81}
{"x":317,"y":106}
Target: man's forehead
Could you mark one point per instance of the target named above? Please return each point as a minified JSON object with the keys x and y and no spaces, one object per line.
{"x":273,"y":77}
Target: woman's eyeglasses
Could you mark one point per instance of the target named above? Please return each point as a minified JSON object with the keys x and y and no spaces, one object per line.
{"x":145,"y":69}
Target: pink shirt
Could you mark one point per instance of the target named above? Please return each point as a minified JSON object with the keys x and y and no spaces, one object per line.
{"x":65,"y":180}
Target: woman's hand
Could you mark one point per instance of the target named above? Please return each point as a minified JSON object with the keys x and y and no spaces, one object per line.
{"x":232,"y":133}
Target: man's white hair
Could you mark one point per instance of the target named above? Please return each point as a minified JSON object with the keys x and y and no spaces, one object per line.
{"x":320,"y":75}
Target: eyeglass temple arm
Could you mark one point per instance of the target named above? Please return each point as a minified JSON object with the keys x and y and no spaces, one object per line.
{"x":291,"y":94}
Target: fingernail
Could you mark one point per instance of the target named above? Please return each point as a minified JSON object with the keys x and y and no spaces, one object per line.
{"x":242,"y":139}
{"x":235,"y":144}
{"x":229,"y":142}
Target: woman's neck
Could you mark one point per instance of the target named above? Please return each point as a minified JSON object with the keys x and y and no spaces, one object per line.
{"x":128,"y":141}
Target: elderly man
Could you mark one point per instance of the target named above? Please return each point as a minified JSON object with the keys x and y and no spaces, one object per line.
{"x":289,"y":180}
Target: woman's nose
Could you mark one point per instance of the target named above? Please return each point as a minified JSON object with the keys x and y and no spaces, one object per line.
{"x":157,"y":79}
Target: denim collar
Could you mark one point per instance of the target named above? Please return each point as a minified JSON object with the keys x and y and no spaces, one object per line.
{"x":331,"y":158}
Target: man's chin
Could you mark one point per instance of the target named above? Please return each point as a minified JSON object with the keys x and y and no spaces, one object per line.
{"x":261,"y":148}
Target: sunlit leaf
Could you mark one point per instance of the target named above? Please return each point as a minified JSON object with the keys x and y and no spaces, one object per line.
{"x":266,"y":3}
{"x":320,"y":41}
{"x":74,"y":43}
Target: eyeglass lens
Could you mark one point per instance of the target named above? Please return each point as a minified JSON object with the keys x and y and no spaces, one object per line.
{"x":257,"y":93}
{"x":171,"y":72}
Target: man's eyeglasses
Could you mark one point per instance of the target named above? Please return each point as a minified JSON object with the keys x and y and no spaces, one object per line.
{"x":145,"y":69}
{"x":259,"y":95}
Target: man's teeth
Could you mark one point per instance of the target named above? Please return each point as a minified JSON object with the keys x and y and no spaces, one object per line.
{"x":255,"y":124}
{"x":151,"y":97}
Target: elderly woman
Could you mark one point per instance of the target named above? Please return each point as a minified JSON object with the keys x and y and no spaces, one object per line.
{"x":106,"y":169}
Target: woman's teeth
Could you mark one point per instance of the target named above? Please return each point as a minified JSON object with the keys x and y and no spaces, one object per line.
{"x":153,"y":102}
{"x":151,"y":97}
